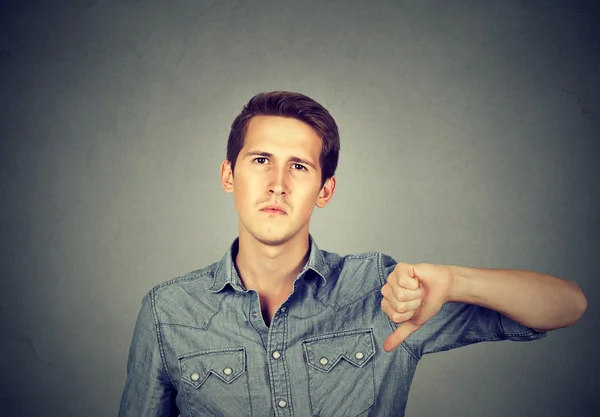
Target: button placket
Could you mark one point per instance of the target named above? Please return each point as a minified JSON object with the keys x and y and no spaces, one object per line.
{"x":277,"y":367}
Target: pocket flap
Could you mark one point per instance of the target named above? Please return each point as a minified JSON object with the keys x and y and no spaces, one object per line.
{"x":324,"y":352}
{"x":227,"y":364}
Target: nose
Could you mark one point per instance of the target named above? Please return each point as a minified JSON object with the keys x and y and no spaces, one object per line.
{"x":277,"y":184}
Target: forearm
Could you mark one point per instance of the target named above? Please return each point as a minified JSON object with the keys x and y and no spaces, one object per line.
{"x":535,"y":300}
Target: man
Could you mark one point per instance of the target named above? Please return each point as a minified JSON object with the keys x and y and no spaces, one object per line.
{"x":279,"y":327}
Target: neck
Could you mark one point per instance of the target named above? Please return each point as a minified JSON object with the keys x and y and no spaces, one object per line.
{"x":271,"y":270}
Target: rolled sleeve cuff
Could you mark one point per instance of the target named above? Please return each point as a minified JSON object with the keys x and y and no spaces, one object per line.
{"x":517,"y":332}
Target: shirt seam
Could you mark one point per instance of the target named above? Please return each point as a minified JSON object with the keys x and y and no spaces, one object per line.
{"x":187,"y":277}
{"x":159,"y":337}
{"x":285,"y":367}
{"x":506,"y":334}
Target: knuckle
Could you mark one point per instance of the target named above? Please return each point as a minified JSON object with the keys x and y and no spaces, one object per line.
{"x":398,"y":293}
{"x":396,"y":317}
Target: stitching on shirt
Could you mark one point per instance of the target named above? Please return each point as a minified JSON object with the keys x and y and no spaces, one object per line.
{"x":209,"y":321}
{"x":225,"y":349}
{"x":307,"y":379}
{"x":181,"y":325}
{"x":524,"y":334}
{"x":248,"y":384}
{"x":461,"y":342}
{"x":507,"y":334}
{"x":478,"y":339}
{"x":271,"y":379}
{"x":394,"y":326}
{"x":341,"y":307}
{"x":285,"y":367}
{"x":363,"y":255}
{"x":334,"y":304}
{"x":159,"y":336}
{"x":369,"y":255}
{"x":369,"y":359}
{"x":373,"y":367}
{"x":187,"y":277}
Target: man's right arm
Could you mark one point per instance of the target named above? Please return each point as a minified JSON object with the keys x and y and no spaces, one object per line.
{"x":148,"y":391}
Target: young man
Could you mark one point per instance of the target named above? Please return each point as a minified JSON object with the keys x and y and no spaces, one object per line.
{"x":279,"y":327}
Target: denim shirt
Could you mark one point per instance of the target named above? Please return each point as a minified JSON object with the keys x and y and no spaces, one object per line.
{"x":201,"y":348}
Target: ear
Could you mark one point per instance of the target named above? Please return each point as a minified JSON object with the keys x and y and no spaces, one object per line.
{"x":227,"y":176}
{"x":326,"y":192}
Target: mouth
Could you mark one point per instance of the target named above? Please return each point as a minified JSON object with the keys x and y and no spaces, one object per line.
{"x":273,"y":210}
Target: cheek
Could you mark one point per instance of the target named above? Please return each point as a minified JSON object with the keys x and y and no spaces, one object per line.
{"x":246,"y":191}
{"x":308,"y":199}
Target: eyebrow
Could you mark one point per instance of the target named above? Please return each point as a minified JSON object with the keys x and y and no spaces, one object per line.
{"x":290,"y":159}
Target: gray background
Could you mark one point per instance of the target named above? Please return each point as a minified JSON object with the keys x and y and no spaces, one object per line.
{"x":469,"y":136}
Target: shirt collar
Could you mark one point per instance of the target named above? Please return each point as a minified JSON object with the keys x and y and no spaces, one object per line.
{"x":225,"y":272}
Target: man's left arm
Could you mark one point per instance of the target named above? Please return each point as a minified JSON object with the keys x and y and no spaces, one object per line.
{"x":539,"y":301}
{"x":414,"y":293}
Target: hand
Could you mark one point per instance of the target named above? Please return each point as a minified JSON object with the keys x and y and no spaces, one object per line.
{"x":412,"y":295}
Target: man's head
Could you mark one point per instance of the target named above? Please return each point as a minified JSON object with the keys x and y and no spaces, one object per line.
{"x":295,"y":106}
{"x":283,"y":148}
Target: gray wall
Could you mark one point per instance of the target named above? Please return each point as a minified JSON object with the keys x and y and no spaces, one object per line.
{"x":469,"y":136}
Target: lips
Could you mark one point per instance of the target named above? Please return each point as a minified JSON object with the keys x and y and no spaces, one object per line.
{"x":273,"y":209}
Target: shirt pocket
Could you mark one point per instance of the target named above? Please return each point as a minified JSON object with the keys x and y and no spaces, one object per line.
{"x":215,"y":382}
{"x":340,"y":369}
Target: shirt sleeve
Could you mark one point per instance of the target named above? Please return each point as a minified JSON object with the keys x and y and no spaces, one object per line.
{"x":460,"y":324}
{"x":148,"y":389}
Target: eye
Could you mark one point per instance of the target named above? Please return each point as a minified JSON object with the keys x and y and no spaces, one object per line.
{"x":259,"y":159}
{"x":299,"y":167}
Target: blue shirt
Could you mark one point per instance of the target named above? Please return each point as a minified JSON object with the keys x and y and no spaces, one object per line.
{"x":201,"y":348}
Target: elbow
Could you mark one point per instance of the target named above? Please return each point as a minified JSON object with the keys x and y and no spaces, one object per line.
{"x":575,"y":305}
{"x":580,"y":302}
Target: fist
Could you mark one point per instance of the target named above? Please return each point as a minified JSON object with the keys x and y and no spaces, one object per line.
{"x":412,"y":295}
{"x":402,"y":294}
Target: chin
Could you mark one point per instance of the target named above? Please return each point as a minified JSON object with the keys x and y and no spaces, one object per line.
{"x":271,"y":234}
{"x":272,"y":239}
{"x":274,"y":236}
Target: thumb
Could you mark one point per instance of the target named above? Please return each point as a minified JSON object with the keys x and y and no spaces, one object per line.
{"x":399,"y":335}
{"x":408,"y":278}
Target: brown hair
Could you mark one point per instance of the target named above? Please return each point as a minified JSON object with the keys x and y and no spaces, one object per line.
{"x":292,"y":105}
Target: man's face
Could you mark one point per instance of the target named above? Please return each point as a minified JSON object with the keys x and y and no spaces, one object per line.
{"x":278,"y":165}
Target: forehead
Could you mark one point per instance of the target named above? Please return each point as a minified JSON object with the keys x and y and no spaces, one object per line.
{"x":281,"y":134}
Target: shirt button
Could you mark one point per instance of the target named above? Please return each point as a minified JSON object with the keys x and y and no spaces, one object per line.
{"x":276,"y":354}
{"x":324,"y":361}
{"x":254,"y":314}
{"x":227,"y":371}
{"x":359,"y":355}
{"x":281,"y":403}
{"x":195,"y":376}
